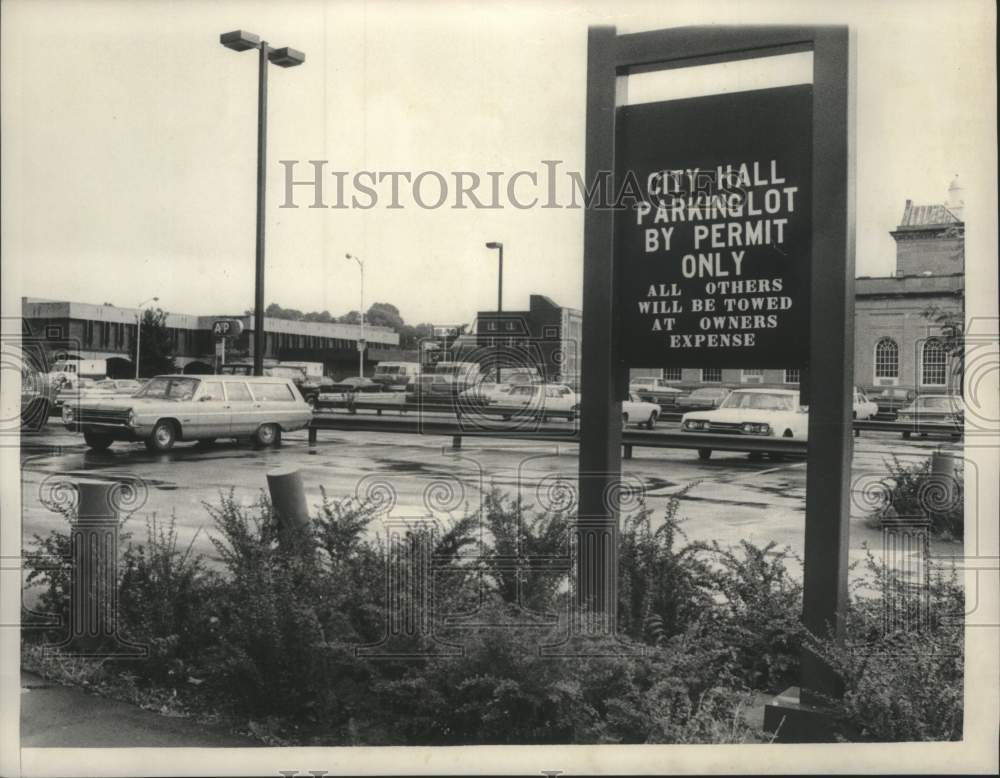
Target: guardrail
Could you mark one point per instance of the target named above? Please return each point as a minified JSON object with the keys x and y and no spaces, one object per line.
{"x":630,"y":438}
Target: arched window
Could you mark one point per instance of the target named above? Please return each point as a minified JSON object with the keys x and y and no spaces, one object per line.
{"x":933,"y":363}
{"x":886,"y":359}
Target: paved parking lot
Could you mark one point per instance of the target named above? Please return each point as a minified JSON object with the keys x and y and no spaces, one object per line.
{"x":727,"y":499}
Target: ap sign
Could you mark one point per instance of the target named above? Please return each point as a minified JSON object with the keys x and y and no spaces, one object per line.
{"x":714,"y":248}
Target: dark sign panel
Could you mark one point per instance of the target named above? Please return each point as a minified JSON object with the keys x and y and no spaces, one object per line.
{"x":713,"y":248}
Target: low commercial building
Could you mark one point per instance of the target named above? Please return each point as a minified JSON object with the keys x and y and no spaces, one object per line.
{"x":88,"y":331}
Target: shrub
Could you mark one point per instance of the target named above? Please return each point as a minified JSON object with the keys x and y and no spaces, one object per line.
{"x":915,"y":491}
{"x":502,"y":691}
{"x":664,"y":587}
{"x":162,"y":602}
{"x":759,"y":614}
{"x":519,"y":534}
{"x":902,"y":661}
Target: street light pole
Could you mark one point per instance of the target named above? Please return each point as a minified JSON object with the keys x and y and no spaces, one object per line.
{"x":240,"y":40}
{"x":138,"y":331}
{"x":361,"y":343}
{"x":499,"y":247}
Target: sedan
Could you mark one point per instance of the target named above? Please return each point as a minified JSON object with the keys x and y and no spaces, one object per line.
{"x":757,"y":412}
{"x":863,"y":407}
{"x":890,"y":400}
{"x":637,"y":411}
{"x":704,"y":399}
{"x":934,"y":409}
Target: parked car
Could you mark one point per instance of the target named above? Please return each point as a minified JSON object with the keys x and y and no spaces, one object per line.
{"x":486,"y":393}
{"x":934,"y":409}
{"x":656,"y":390}
{"x":120,"y":386}
{"x":864,"y":408}
{"x":309,"y":386}
{"x":757,"y":412}
{"x":72,"y":390}
{"x":184,"y":407}
{"x":890,"y":399}
{"x":458,"y":376}
{"x":396,"y":376}
{"x":636,"y":411}
{"x":704,"y":398}
{"x":542,"y":400}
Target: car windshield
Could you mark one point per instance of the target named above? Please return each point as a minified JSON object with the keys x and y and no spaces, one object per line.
{"x":760,"y":401}
{"x":165,"y":388}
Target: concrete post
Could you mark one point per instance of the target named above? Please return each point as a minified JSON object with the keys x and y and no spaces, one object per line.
{"x":93,"y":617}
{"x":288,"y":497}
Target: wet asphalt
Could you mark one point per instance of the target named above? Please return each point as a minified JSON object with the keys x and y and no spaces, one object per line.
{"x":728,"y":498}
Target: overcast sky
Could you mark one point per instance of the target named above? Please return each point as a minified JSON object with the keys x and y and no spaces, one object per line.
{"x":129,"y":140}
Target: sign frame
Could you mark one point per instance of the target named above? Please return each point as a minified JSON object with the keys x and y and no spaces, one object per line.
{"x":610,"y":59}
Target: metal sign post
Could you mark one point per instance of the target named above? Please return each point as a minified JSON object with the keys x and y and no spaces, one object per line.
{"x":813,"y":303}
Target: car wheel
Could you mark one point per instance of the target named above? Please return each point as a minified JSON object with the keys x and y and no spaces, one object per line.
{"x":651,"y":423}
{"x":906,"y":436}
{"x":704,"y":454}
{"x":267,"y":435}
{"x":163,"y":438}
{"x":96,"y":441}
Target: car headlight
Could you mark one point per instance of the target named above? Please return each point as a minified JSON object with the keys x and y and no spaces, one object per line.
{"x":748,"y":428}
{"x":131,"y":418}
{"x":763,"y":429}
{"x":694,"y":424}
{"x":67,"y":413}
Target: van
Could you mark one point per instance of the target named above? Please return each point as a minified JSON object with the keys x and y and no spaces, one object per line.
{"x":396,"y":376}
{"x":458,"y":376}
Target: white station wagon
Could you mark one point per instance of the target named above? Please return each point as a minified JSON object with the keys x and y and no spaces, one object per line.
{"x":183,"y":407}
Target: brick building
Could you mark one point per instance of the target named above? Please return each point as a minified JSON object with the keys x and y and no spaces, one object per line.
{"x":546,"y":337}
{"x":895,"y":343}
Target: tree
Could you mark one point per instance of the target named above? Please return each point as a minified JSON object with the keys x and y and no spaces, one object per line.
{"x":156,"y":347}
{"x":951,"y":324}
{"x":384,"y":315}
{"x":352,"y":317}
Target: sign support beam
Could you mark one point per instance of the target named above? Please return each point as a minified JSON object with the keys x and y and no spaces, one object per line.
{"x":600,"y":380}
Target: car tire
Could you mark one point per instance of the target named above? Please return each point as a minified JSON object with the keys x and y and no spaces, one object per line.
{"x":704,"y":454}
{"x":96,"y":441}
{"x":651,"y":422}
{"x":906,"y":435}
{"x":267,"y":435}
{"x":163,"y":437}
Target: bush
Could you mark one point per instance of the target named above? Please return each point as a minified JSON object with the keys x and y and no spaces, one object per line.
{"x":664,"y":588}
{"x":502,"y":691}
{"x":902,"y":661}
{"x":272,"y":637}
{"x":916,"y":492}
{"x":162,"y":604}
{"x":759,"y":614}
